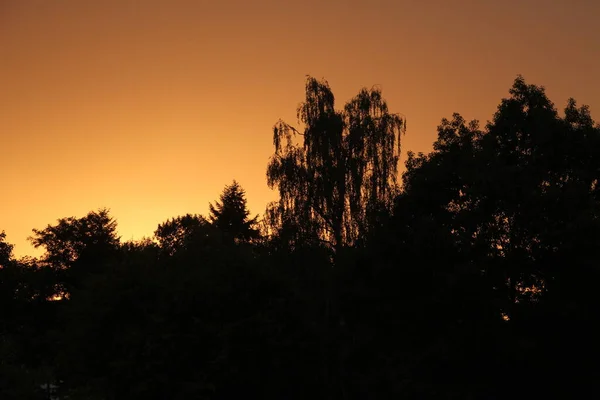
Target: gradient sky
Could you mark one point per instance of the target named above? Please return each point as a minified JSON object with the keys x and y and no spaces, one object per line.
{"x":151,"y":107}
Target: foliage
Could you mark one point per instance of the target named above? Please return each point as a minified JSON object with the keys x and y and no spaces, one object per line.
{"x":177,"y":233}
{"x":230,"y":214}
{"x":66,"y":241}
{"x":477,"y":276}
{"x":342,"y":174}
{"x":5,"y":250}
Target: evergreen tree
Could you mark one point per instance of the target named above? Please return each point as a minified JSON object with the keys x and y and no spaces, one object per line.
{"x":230,"y":214}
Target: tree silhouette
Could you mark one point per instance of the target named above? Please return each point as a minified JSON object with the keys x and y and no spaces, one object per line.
{"x":5,"y":250}
{"x":230,"y":214}
{"x":508,"y":215}
{"x":76,"y":248}
{"x":178,"y":233}
{"x":67,"y":241}
{"x":26,"y":350}
{"x":485,"y":261}
{"x":342,"y":173}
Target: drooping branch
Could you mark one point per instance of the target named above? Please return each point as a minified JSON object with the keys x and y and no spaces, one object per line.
{"x":344,"y":170}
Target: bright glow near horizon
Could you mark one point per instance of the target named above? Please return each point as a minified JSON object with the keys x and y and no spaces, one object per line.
{"x":151,"y":108}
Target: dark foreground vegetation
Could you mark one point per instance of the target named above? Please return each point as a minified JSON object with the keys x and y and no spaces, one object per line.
{"x":473,"y":278}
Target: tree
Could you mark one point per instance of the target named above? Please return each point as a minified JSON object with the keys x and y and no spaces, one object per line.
{"x":501,"y":223}
{"x":342,"y":174}
{"x":77,"y":248}
{"x":178,"y":233}
{"x":26,"y":320}
{"x":5,"y":250}
{"x":520,"y":200}
{"x":67,"y":241}
{"x":497,"y":229}
{"x":230,"y":214}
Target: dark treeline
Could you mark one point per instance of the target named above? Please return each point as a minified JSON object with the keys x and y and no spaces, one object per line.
{"x":472,"y":277}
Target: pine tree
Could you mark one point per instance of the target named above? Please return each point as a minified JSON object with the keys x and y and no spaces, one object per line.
{"x":230,"y":214}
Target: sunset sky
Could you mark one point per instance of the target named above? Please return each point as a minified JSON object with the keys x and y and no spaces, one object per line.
{"x":151,"y":107}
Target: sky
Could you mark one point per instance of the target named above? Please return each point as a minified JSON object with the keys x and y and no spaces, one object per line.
{"x":151,"y":107}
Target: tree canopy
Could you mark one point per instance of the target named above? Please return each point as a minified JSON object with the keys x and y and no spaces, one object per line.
{"x":231,"y":214}
{"x":471,"y":275}
{"x":342,"y":173}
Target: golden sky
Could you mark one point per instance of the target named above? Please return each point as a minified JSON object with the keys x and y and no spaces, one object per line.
{"x":151,"y":107}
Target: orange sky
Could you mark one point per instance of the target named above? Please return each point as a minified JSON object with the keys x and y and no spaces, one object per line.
{"x":151,"y":107}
